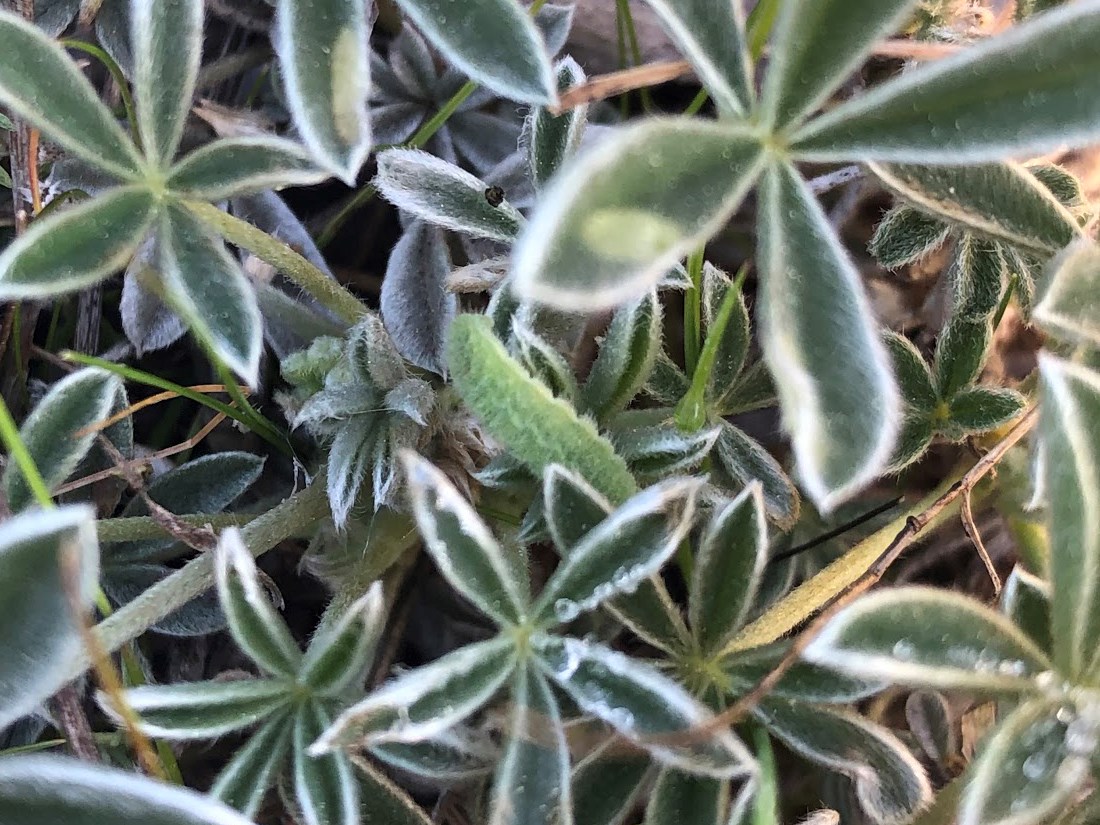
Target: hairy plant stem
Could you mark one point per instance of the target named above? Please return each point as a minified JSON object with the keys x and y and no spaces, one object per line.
{"x":290,"y":517}
{"x":327,"y":291}
{"x":137,"y":528}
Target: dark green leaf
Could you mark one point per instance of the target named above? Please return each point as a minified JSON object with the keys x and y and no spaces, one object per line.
{"x":1026,"y":600}
{"x":889,"y":782}
{"x":325,"y":787}
{"x":960,"y":353}
{"x":256,"y":627}
{"x":914,"y":377}
{"x":531,"y":785}
{"x":324,"y":62}
{"x":59,"y":432}
{"x":545,"y":363}
{"x":730,"y":563}
{"x":804,"y":682}
{"x":1026,"y":92}
{"x":625,"y":360}
{"x":607,"y":784}
{"x":917,"y":432}
{"x":38,"y":552}
{"x":839,"y":399}
{"x":816,"y":45}
{"x":661,"y":450}
{"x":453,"y":757}
{"x":681,"y":797}
{"x":977,"y":278}
{"x":554,"y":138}
{"x":243,"y":165}
{"x":420,"y":704}
{"x":206,"y":286}
{"x":341,"y":654}
{"x":1003,"y":201}
{"x":732,"y":329}
{"x":930,"y":638}
{"x":711,"y":35}
{"x":204,"y":710}
{"x":744,"y":461}
{"x":628,"y":547}
{"x":41,"y":84}
{"x":78,"y":246}
{"x":981,"y":409}
{"x":166,"y":41}
{"x":245,"y":780}
{"x":642,"y":705}
{"x":620,"y":216}
{"x":464,"y":550}
{"x":573,"y":507}
{"x":932,"y":724}
{"x":494,"y":42}
{"x":905,"y":235}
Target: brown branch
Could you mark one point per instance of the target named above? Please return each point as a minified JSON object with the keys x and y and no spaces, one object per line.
{"x":975,"y":537}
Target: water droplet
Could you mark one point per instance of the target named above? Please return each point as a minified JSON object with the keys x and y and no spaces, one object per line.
{"x":566,"y":610}
{"x":1036,"y":766}
{"x":904,"y":650}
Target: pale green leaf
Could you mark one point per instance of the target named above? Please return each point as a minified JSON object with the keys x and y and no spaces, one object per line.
{"x":166,"y":41}
{"x":682,"y":797}
{"x":492,"y":41}
{"x":804,"y":682}
{"x":445,"y":195}
{"x":520,"y":411}
{"x":41,"y":790}
{"x":1028,"y":769}
{"x":621,"y":215}
{"x":259,"y":631}
{"x":324,"y":60}
{"x":1025,"y":92}
{"x":890,"y":783}
{"x":816,"y":44}
{"x":960,"y":353}
{"x":732,"y":555}
{"x":839,"y":399}
{"x":711,"y":35}
{"x":75,"y":247}
{"x":929,"y":638}
{"x":325,"y":788}
{"x":41,"y":84}
{"x":38,"y":551}
{"x":660,"y":450}
{"x":1070,"y":441}
{"x":1069,"y":305}
{"x":531,"y":785}
{"x":203,"y":710}
{"x":340,"y":654}
{"x":246,"y":778}
{"x":463,"y":548}
{"x":242,"y":165}
{"x":422,"y":703}
{"x":1003,"y":201}
{"x":626,"y":548}
{"x":57,"y":433}
{"x":644,"y":706}
{"x":207,"y":287}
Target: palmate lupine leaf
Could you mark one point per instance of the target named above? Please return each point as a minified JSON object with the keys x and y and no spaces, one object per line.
{"x":494,"y":42}
{"x":325,"y":788}
{"x":38,"y":552}
{"x":993,"y":100}
{"x":166,"y":40}
{"x":928,"y":638}
{"x":241,"y":166}
{"x":46,"y":789}
{"x":203,"y":710}
{"x":682,"y":797}
{"x":816,"y":45}
{"x":324,"y":57}
{"x":838,"y":394}
{"x":625,"y":358}
{"x":1071,"y":482}
{"x":246,"y":779}
{"x":41,"y":84}
{"x":621,"y":215}
{"x":711,"y":34}
{"x":553,"y":138}
{"x":58,"y":433}
{"x":342,"y":653}
{"x":1070,"y":302}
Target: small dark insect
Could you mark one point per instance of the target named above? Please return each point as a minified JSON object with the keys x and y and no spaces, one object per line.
{"x":494,"y":195}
